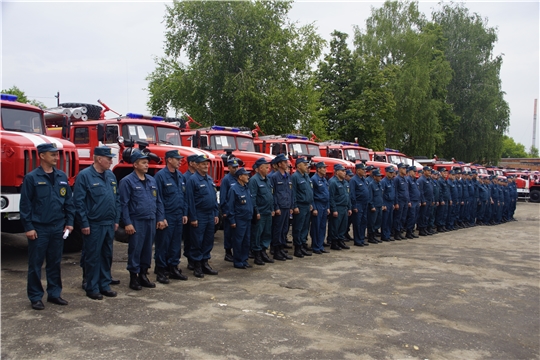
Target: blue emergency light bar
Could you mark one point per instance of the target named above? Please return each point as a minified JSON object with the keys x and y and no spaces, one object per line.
{"x":349,"y":143}
{"x":9,"y":97}
{"x":391,"y":150}
{"x":299,"y":137}
{"x":145,"y":117}
{"x":224,"y":128}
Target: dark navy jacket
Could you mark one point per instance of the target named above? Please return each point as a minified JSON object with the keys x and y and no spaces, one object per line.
{"x":389,"y":192}
{"x":202,"y":196}
{"x":402,"y":189}
{"x":425,"y":185}
{"x":172,"y":191}
{"x":240,"y":203}
{"x":263,"y":194}
{"x":226,"y":183}
{"x":139,"y":200}
{"x":282,"y":185}
{"x":321,"y":193}
{"x":360,"y":194}
{"x":339,"y":194}
{"x":301,"y":188}
{"x":376,"y":194}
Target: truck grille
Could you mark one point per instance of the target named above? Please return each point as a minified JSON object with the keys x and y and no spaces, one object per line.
{"x":66,"y":161}
{"x":30,"y":160}
{"x":216,"y":170}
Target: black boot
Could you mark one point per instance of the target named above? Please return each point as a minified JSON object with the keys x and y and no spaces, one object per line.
{"x":134,"y":281}
{"x":277,"y":253}
{"x":257,"y":258}
{"x":161,"y":277}
{"x":305,"y":250}
{"x":414,"y":235}
{"x":176,"y":273}
{"x":371,"y":238}
{"x":298,"y":251}
{"x":251,"y":255}
{"x":409,"y":235}
{"x":265,"y":257}
{"x":271,"y":250}
{"x":285,"y":254}
{"x":83,"y":279}
{"x":190,"y":264}
{"x":342,"y":245}
{"x":143,"y":279}
{"x":207,"y":269}
{"x":197,"y":269}
{"x":422,"y":232}
{"x":335,"y":245}
{"x":229,"y":255}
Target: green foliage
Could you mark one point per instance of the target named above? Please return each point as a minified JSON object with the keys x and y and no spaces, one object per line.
{"x":533,"y":152}
{"x":475,"y":89}
{"x":247,"y":63}
{"x":511,"y":149}
{"x":21,"y":97}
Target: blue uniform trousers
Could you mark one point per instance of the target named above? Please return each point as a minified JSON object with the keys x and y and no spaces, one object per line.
{"x":261,"y":233}
{"x":374,"y":219}
{"x":240,"y":241}
{"x":300,"y":225}
{"x":280,"y":227}
{"x":227,"y":234}
{"x":487,"y":212}
{"x":464,"y":212}
{"x":400,"y":216}
{"x":423,"y":215}
{"x":169,"y":242}
{"x":186,"y":237}
{"x":480,"y":211}
{"x":451,"y":217}
{"x":337,"y":226}
{"x":442,"y":214}
{"x":140,"y":245}
{"x":412,"y":216}
{"x":473,"y":205}
{"x":387,"y":220}
{"x":98,"y":252}
{"x":47,"y":247}
{"x":202,"y":237}
{"x":318,"y":227}
{"x":359,"y":222}
{"x":499,"y":213}
{"x":431,"y":216}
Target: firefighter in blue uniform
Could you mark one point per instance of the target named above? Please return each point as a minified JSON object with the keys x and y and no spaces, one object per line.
{"x":483,"y":199}
{"x":47,"y":211}
{"x":241,"y":207}
{"x":425,"y":187}
{"x":142,"y":213}
{"x":321,"y":208}
{"x":98,"y":212}
{"x":453,"y":205}
{"x":432,"y":227}
{"x":464,"y":216}
{"x":348,"y":176}
{"x":226,"y":183}
{"x":375,"y":206}
{"x":203,"y":216}
{"x":262,"y":191}
{"x":340,"y":208}
{"x":496,"y":200}
{"x":444,"y":200}
{"x":414,"y":200}
{"x":389,"y":203}
{"x":359,"y":202}
{"x":473,"y":198}
{"x":403,"y":201}
{"x":460,"y":202}
{"x":186,"y":234}
{"x":302,"y":207}
{"x":172,"y":193}
{"x":282,"y":184}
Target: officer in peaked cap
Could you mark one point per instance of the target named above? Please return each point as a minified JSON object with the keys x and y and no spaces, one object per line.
{"x":389,"y":203}
{"x":321,"y":208}
{"x":454,"y":198}
{"x":98,"y":212}
{"x":359,"y":201}
{"x":414,"y":197}
{"x":282,"y":185}
{"x":168,"y":242}
{"x":403,"y":201}
{"x":375,"y":206}
{"x":444,"y":200}
{"x":186,"y":233}
{"x":340,"y":208}
{"x":425,"y":187}
{"x":302,"y":206}
{"x":227,"y":181}
{"x":262,"y":191}
{"x":142,"y":213}
{"x":47,"y":211}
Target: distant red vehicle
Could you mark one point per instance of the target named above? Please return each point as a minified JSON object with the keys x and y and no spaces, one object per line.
{"x":394,"y":157}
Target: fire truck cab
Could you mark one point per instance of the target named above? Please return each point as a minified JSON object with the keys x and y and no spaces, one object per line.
{"x":23,"y":129}
{"x":394,"y":157}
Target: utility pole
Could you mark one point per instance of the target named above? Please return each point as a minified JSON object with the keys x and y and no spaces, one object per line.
{"x":57,"y":96}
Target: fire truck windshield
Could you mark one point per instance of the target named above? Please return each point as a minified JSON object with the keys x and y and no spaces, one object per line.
{"x":353,"y":155}
{"x":314,"y":150}
{"x":139,"y":132}
{"x":22,"y":120}
{"x":169,"y":136}
{"x":221,"y":142}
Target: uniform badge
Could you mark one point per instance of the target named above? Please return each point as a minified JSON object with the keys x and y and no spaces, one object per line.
{"x":114,"y":189}
{"x":63,"y":191}
{"x":154,"y":193}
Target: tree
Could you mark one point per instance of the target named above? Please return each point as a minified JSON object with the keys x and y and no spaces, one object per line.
{"x":21,"y":97}
{"x":401,"y":37}
{"x":246,"y":63}
{"x":533,"y":152}
{"x":511,"y":149}
{"x":475,"y":89}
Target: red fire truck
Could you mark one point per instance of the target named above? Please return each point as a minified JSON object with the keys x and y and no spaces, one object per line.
{"x":351,"y":152}
{"x":23,"y":128}
{"x":394,"y":157}
{"x":295,"y":146}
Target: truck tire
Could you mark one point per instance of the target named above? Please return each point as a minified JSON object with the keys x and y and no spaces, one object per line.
{"x":534,"y":196}
{"x":92,"y":111}
{"x":74,"y":242}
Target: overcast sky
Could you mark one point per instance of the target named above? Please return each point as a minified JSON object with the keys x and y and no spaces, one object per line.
{"x":102,"y":50}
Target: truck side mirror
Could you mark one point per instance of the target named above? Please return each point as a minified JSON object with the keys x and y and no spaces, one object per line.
{"x":101,"y":132}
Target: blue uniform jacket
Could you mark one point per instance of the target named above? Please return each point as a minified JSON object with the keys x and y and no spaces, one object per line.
{"x":376,"y":194}
{"x":226,"y":183}
{"x":263,"y":194}
{"x":444,"y":190}
{"x":436,"y":190}
{"x":452,"y":191}
{"x":339,"y":194}
{"x":360,"y":194}
{"x":282,"y":184}
{"x":172,"y":191}
{"x":425,"y":186}
{"x":389,"y":192}
{"x":96,"y":198}
{"x":483,"y":193}
{"x":321,"y":192}
{"x":301,"y":188}
{"x":139,"y":200}
{"x":241,"y":203}
{"x":414,"y":190}
{"x":202,"y":196}
{"x":45,"y":203}
{"x":402,"y":189}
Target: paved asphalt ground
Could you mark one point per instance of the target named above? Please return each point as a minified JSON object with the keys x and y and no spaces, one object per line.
{"x":469,"y":294}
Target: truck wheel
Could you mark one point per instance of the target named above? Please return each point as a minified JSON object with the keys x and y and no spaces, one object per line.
{"x":92,"y":111}
{"x":74,"y":242}
{"x":534,"y":196}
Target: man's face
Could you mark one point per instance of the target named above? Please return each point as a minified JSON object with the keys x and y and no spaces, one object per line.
{"x":377,"y":178}
{"x":263,"y":169}
{"x":340,"y":174}
{"x":174,"y":162}
{"x":361,"y":172}
{"x":427,"y":173}
{"x":283,"y":166}
{"x":302,"y":167}
{"x":104,"y":162}
{"x":141,"y":166}
{"x":203,"y":167}
{"x":49,"y":157}
{"x":243,"y":179}
{"x":402,"y":171}
{"x":232,"y":169}
{"x":321,"y":171}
